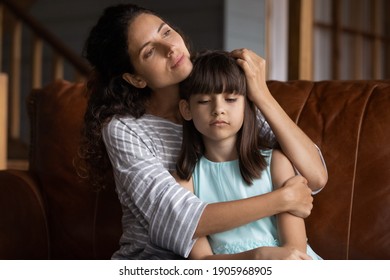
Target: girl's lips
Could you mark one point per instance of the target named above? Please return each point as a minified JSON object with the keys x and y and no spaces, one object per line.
{"x":219,"y":123}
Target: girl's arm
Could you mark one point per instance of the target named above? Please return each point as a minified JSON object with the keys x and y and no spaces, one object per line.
{"x":202,"y":251}
{"x":292,"y":232}
{"x":294,"y":142}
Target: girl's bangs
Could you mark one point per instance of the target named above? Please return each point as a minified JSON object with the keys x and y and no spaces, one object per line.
{"x":222,"y":80}
{"x":217,"y":73}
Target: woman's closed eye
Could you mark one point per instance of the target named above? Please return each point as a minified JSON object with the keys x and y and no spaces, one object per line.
{"x":167,"y":32}
{"x":148,"y":53}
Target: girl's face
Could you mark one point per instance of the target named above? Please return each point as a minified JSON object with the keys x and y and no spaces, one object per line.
{"x":218,"y":117}
{"x":159,"y":54}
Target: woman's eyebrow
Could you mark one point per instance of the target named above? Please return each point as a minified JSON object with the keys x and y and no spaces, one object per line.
{"x":158,"y":30}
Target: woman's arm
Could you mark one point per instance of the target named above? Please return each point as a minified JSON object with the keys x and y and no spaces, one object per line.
{"x":292,"y":232}
{"x":294,"y":142}
{"x":222,"y":216}
{"x":202,"y":249}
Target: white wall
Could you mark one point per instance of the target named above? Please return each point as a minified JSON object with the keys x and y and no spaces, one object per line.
{"x":277,"y":52}
{"x":244,"y":25}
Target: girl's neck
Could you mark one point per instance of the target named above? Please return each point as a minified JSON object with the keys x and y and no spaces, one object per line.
{"x":165,"y":104}
{"x":221,"y":151}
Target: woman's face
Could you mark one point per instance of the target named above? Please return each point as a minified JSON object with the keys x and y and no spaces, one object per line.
{"x":159,"y":54}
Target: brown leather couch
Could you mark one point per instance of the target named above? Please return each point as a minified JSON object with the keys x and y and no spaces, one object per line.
{"x":49,"y":212}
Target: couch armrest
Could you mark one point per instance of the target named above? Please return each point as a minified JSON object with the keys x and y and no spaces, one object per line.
{"x":23,"y":224}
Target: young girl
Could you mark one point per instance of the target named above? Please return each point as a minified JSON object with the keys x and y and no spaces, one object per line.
{"x":223,"y":158}
{"x":133,"y":128}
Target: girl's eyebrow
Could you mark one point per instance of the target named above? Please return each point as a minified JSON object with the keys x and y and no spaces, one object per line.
{"x":147,"y":43}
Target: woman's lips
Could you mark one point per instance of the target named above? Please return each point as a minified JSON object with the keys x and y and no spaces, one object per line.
{"x":178,"y":61}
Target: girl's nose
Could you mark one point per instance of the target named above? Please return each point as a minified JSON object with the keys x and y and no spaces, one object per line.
{"x":218,"y":109}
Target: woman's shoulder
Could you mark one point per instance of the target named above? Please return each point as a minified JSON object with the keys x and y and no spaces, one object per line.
{"x":146,"y":119}
{"x":118,"y":123}
{"x":145,"y":125}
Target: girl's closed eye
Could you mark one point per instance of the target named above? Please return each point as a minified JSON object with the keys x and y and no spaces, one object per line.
{"x":202,"y":98}
{"x":231,"y":99}
{"x":203,"y":101}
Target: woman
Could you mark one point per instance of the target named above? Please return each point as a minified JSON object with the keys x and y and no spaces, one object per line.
{"x":138,"y":61}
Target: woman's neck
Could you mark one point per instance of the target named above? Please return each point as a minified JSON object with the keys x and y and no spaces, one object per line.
{"x":165,"y":104}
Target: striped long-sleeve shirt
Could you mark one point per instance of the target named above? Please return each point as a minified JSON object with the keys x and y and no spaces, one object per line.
{"x":159,"y":216}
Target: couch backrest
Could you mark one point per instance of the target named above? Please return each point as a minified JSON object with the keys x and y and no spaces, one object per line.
{"x":350,"y":122}
{"x":83,"y":223}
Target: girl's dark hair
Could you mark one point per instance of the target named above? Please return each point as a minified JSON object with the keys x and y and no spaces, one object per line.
{"x":106,"y":49}
{"x":217,"y":72}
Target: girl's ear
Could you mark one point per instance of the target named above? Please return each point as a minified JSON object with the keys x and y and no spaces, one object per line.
{"x":134,"y":80}
{"x":185,"y":111}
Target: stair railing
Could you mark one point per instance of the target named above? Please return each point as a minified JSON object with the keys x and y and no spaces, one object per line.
{"x":41,"y":36}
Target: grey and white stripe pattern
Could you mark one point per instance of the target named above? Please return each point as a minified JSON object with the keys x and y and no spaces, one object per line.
{"x":159,"y":216}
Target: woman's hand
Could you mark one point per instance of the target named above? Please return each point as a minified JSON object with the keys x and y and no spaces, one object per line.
{"x":297,"y":196}
{"x":254,"y":68}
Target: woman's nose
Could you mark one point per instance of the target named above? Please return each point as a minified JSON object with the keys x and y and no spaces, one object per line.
{"x":168,"y":48}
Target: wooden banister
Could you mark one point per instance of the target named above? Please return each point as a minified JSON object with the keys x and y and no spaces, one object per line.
{"x":3,"y":120}
{"x":15,"y":79}
{"x":47,"y":36}
{"x":36,"y":68}
{"x":18,"y":18}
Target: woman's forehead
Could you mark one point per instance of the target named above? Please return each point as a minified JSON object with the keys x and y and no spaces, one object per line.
{"x":142,"y":30}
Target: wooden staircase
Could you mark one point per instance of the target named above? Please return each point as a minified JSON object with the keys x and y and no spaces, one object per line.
{"x":14,"y":18}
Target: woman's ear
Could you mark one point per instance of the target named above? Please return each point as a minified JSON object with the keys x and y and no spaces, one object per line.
{"x":185,"y":111}
{"x":134,"y":80}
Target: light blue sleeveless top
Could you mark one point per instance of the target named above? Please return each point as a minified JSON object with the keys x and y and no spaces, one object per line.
{"x":222,"y":181}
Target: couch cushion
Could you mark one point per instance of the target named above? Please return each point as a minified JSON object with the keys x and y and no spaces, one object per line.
{"x":350,"y":122}
{"x":56,"y":114}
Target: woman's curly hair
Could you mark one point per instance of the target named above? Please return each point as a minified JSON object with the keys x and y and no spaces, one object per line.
{"x":106,"y":49}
